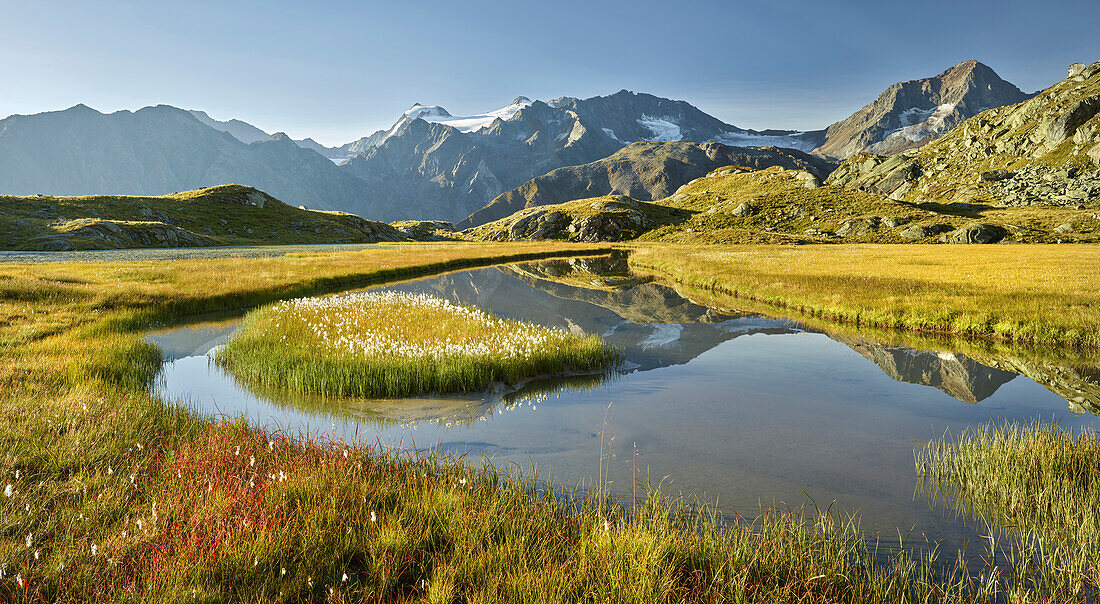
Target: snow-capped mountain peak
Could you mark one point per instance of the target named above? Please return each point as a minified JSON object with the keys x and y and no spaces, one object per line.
{"x":426,"y":112}
{"x":463,"y":123}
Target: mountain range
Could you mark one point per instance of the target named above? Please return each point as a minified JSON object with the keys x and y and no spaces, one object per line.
{"x":433,"y":165}
{"x":644,"y":171}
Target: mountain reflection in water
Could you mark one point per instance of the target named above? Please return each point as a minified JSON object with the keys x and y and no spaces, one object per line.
{"x":751,"y":408}
{"x":657,"y":327}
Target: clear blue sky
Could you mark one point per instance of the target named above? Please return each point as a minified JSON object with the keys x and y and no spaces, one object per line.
{"x":338,"y":70}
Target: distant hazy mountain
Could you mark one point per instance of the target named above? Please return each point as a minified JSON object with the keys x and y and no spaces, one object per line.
{"x":432,"y":165}
{"x":910,"y":114}
{"x":247,"y":133}
{"x":242,"y":131}
{"x":644,"y":171}
{"x":160,"y":150}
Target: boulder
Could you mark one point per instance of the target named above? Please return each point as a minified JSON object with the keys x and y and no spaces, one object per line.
{"x":256,"y":199}
{"x":922,"y":231}
{"x":549,"y":225}
{"x":744,"y":210}
{"x":898,"y":177}
{"x":809,"y":180}
{"x":979,"y":232}
{"x":1063,"y":126}
{"x":995,"y":175}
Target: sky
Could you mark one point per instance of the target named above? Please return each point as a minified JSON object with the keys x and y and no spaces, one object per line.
{"x":339,"y":70}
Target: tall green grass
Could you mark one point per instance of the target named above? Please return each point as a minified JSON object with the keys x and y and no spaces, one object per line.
{"x":1036,"y":485}
{"x":1033,"y":476}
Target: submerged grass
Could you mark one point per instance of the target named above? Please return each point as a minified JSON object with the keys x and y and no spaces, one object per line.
{"x":1023,"y":477}
{"x":383,"y":344}
{"x":1036,"y":486}
{"x":107,"y":494}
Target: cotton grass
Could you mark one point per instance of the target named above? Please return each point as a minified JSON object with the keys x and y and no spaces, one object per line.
{"x":388,"y":344}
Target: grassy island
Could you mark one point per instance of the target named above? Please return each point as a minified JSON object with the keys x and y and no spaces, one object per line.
{"x":386,"y":344}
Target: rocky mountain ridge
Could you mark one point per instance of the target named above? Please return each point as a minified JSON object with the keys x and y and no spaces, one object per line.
{"x":910,"y":114}
{"x":1043,"y":152}
{"x":641,"y":171}
{"x":431,"y":159}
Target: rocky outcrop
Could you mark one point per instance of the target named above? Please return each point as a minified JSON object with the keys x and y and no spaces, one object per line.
{"x":910,"y":114}
{"x":1043,"y":151}
{"x":605,"y":219}
{"x":980,"y":232}
{"x":426,"y":230}
{"x":645,"y":171}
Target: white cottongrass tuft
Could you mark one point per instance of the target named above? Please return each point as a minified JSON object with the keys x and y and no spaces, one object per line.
{"x":343,"y":324}
{"x":9,"y":491}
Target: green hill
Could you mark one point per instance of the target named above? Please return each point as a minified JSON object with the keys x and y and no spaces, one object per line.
{"x":223,"y":215}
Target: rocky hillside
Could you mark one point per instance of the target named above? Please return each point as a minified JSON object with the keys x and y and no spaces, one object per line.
{"x":224,"y":215}
{"x":741,"y":205}
{"x":642,"y":171}
{"x":1042,"y":153}
{"x":910,"y":114}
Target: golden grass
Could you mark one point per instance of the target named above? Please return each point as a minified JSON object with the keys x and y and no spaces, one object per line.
{"x":1038,"y":294}
{"x":117,"y":497}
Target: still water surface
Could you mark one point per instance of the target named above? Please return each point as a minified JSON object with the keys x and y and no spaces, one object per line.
{"x":747,"y":410}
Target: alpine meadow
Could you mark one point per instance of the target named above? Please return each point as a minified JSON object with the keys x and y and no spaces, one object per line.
{"x":277,"y":326}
